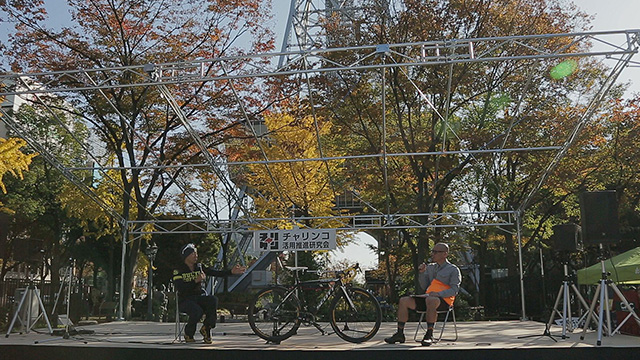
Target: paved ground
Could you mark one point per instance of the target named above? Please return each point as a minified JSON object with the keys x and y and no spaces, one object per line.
{"x":238,"y":336}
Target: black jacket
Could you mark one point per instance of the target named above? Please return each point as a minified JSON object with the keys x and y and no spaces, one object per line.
{"x":185,"y":280}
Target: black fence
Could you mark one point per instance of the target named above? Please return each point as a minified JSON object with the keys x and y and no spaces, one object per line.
{"x":9,"y":291}
{"x":12,"y":290}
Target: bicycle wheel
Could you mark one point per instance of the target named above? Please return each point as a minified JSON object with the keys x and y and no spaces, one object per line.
{"x":274,"y":317}
{"x":357,"y":323}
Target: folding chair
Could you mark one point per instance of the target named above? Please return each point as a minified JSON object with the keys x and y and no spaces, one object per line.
{"x":449,"y":312}
{"x":179,"y":326}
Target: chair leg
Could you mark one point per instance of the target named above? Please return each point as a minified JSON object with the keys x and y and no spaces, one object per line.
{"x":178,"y":330}
{"x":419,"y":327}
{"x":444,"y":323}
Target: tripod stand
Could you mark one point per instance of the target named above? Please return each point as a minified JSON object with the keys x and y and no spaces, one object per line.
{"x":563,"y":293}
{"x":68,"y":328}
{"x":602,"y":295}
{"x":30,"y":292}
{"x":66,"y":280}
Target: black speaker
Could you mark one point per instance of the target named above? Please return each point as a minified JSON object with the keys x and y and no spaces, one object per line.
{"x":599,"y":213}
{"x":567,"y":237}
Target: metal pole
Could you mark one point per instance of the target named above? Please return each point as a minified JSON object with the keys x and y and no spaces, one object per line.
{"x":287,"y":33}
{"x":122,"y":268}
{"x":66,"y":326}
{"x":151,"y":252}
{"x":150,"y":291}
{"x":519,"y":231}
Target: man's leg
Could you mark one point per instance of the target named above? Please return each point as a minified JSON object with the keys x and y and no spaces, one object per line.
{"x":405,"y":303}
{"x":195,"y":313}
{"x":210,"y":306}
{"x":433,"y":303}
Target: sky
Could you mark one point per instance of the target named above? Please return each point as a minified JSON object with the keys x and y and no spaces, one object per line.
{"x":608,"y":15}
{"x":617,"y":15}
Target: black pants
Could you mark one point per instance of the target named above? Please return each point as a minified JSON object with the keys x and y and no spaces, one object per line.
{"x":195,"y":306}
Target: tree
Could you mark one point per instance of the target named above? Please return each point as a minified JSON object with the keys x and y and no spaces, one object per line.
{"x":34,"y":200}
{"x":441,"y":107}
{"x":292,"y":189}
{"x":133,"y":121}
{"x":12,"y":160}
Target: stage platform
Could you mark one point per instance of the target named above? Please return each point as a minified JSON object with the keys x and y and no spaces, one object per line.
{"x":493,"y":340}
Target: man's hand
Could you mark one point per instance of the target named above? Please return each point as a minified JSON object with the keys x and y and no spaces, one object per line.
{"x":422,"y":267}
{"x":201,"y":277}
{"x":237,"y":269}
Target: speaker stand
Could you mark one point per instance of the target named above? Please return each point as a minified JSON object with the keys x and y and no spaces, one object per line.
{"x":547,"y":333}
{"x":566,"y":315}
{"x":601,"y":296}
{"x":30,"y":292}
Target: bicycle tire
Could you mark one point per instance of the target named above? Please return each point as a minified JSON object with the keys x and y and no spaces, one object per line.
{"x":273,"y":319}
{"x":357,"y":324}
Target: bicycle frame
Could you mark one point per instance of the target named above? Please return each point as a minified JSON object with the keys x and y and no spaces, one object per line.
{"x":336,"y":285}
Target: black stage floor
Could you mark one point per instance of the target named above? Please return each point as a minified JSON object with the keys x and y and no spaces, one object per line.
{"x":495,"y":340}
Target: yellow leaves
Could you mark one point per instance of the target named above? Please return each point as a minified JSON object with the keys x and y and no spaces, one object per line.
{"x":77,"y":205}
{"x":12,"y":160}
{"x":300,"y":185}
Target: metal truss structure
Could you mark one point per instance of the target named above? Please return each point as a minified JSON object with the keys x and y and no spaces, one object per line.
{"x":620,"y":47}
{"x":302,"y":57}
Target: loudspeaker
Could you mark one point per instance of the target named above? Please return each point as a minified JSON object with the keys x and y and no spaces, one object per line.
{"x":599,"y":213}
{"x":567,"y":237}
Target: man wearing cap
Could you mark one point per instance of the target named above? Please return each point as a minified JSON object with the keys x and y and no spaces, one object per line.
{"x":441,"y":281}
{"x":192,"y":297}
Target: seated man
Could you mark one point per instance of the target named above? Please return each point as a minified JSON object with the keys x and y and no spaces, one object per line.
{"x":441,"y":279}
{"x":193,"y":299}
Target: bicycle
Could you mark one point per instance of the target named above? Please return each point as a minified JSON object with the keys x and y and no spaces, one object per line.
{"x":354,"y":313}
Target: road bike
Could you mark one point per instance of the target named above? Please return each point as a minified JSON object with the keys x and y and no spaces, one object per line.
{"x":278,"y":311}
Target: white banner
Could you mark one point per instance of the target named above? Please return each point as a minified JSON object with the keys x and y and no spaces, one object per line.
{"x":294,"y":240}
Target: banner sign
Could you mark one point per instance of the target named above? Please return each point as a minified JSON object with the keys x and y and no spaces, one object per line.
{"x":294,"y":240}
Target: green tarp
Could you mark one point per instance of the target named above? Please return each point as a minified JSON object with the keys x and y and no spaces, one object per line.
{"x":624,"y":269}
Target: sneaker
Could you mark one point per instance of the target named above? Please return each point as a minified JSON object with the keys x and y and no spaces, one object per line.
{"x":398,"y":337}
{"x":427,"y":340}
{"x":206,"y":334}
{"x":189,"y":339}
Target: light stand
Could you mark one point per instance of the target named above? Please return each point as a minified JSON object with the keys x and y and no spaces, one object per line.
{"x":603,"y":296}
{"x":68,"y":328}
{"x":65,"y":280}
{"x":151,"y":251}
{"x":567,"y":284}
{"x":28,"y":323}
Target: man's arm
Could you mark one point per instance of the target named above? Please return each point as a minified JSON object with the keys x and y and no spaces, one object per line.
{"x":209,"y":271}
{"x":455,"y":278}
{"x":423,"y":277}
{"x":236,"y":270}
